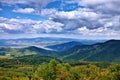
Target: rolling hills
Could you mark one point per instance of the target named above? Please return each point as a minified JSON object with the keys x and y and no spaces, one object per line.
{"x":26,"y":60}
{"x":16,"y":52}
{"x":108,"y":51}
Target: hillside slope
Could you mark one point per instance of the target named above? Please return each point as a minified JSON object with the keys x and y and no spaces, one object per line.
{"x":64,"y":46}
{"x":107,"y":52}
{"x":16,"y":52}
{"x":26,"y":60}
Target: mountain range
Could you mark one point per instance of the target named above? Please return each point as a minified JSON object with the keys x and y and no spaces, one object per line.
{"x":42,"y":41}
{"x":108,"y":51}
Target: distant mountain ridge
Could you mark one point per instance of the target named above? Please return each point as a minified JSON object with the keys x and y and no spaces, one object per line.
{"x":42,"y":41}
{"x":64,"y":46}
{"x":33,"y":41}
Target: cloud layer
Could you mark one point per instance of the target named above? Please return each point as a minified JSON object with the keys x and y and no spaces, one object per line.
{"x":29,"y":26}
{"x":84,"y":18}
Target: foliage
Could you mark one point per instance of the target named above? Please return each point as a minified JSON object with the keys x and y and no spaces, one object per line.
{"x":63,"y":71}
{"x":54,"y":70}
{"x":28,"y":59}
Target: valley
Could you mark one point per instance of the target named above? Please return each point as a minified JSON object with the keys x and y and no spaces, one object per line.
{"x":32,"y":62}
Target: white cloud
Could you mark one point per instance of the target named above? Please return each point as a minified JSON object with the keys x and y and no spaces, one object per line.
{"x":102,"y":31}
{"x":104,"y":6}
{"x":25,"y":10}
{"x":73,"y":19}
{"x":94,"y":2}
{"x":82,"y":17}
{"x":48,"y":27}
{"x":0,"y":9}
{"x":29,"y":26}
{"x":80,"y":13}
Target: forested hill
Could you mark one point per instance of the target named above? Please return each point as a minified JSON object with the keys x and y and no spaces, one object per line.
{"x":64,"y":46}
{"x":108,"y":51}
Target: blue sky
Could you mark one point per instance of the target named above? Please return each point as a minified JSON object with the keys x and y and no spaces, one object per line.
{"x":83,"y":19}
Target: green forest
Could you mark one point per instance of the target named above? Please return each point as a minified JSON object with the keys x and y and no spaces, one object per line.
{"x":48,"y":68}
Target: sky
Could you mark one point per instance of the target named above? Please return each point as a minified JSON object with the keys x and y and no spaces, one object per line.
{"x":81,"y":19}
